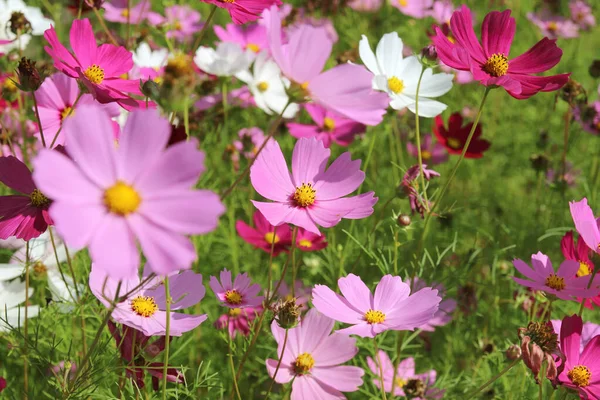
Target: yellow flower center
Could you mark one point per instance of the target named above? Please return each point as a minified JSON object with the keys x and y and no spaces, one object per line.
{"x":121,"y":199}
{"x":94,"y":74}
{"x":253,"y":47}
{"x":144,"y":306}
{"x":305,"y":243}
{"x":158,"y":79}
{"x":38,"y":199}
{"x":403,"y":3}
{"x":580,"y":375}
{"x":271,"y":238}
{"x":304,"y":363}
{"x":305,"y":195}
{"x":426,"y":155}
{"x":125,"y":13}
{"x":235,"y":312}
{"x":39,"y":268}
{"x":67,"y":112}
{"x":584,"y":269}
{"x":9,"y":86}
{"x":233,"y":297}
{"x":374,"y":317}
{"x":328,"y":124}
{"x":555,"y":282}
{"x":400,"y":383}
{"x":396,"y":85}
{"x":451,"y":38}
{"x":454,"y":143}
{"x":228,"y":1}
{"x":496,"y":65}
{"x":177,"y":25}
{"x":262,"y":86}
{"x":552,"y":26}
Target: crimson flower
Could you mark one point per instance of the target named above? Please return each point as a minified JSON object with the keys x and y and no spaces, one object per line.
{"x":455,"y":136}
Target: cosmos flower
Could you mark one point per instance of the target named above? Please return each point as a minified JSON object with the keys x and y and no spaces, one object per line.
{"x":455,"y":136}
{"x":586,"y":224}
{"x":577,"y":252}
{"x":588,"y":332}
{"x":554,"y":26}
{"x":413,"y":8}
{"x":365,"y":5}
{"x":399,"y":77}
{"x":263,"y":235}
{"x":138,"y":192}
{"x":392,"y":306}
{"x":309,"y":241}
{"x":145,"y":57}
{"x":99,"y":68}
{"x":250,"y":140}
{"x":37,"y":23}
{"x":238,"y":320}
{"x":25,"y":215}
{"x":581,"y":14}
{"x":490,"y":64}
{"x":432,"y":152}
{"x":227,"y":60}
{"x":410,"y":184}
{"x":330,"y":127}
{"x":443,"y":315}
{"x":345,"y":89}
{"x":404,"y":374}
{"x":312,"y":359}
{"x":144,"y":308}
{"x":239,"y":293}
{"x":564,"y":283}
{"x":302,"y":294}
{"x":252,"y":37}
{"x":11,"y":314}
{"x":118,"y":11}
{"x":181,"y":22}
{"x":242,"y":11}
{"x":310,"y":195}
{"x":441,"y":11}
{"x":588,"y":116}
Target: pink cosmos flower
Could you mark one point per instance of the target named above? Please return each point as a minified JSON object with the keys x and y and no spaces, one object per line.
{"x":413,"y":8}
{"x":579,"y":253}
{"x":581,"y":369}
{"x":581,"y":14}
{"x":56,"y":99}
{"x":346,"y":89}
{"x":554,"y":26}
{"x":241,"y":97}
{"x":588,"y":332}
{"x":392,"y":306}
{"x":2,"y":380}
{"x":139,"y":191}
{"x":23,"y":216}
{"x":404,"y":373}
{"x":432,"y":152}
{"x":99,"y":68}
{"x":312,"y":359}
{"x":308,"y":241}
{"x":588,"y":116}
{"x":564,"y":283}
{"x":116,"y":11}
{"x":490,"y":64}
{"x":240,"y":293}
{"x":238,"y":320}
{"x":143,"y":309}
{"x":264,"y":234}
{"x":181,"y":21}
{"x":365,"y":5}
{"x":250,"y":141}
{"x":330,"y":127}
{"x":443,"y":315}
{"x":242,"y":11}
{"x":301,"y":293}
{"x":586,"y":224}
{"x":441,"y":11}
{"x":252,"y":37}
{"x":560,"y":177}
{"x":310,"y":195}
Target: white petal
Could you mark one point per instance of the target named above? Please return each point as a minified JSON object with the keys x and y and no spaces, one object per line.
{"x":434,"y":85}
{"x":367,"y":56}
{"x":389,"y":53}
{"x":428,"y":108}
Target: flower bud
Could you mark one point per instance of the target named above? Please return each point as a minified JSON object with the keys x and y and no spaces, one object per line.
{"x":287,"y":313}
{"x":18,"y":24}
{"x":594,"y":69}
{"x":29,"y":77}
{"x":404,"y":220}
{"x":150,"y":89}
{"x":429,"y":53}
{"x":513,"y":352}
{"x":539,"y":162}
{"x":573,"y":93}
{"x":414,"y":388}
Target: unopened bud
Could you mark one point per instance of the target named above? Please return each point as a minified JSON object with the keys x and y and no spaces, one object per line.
{"x":404,"y":220}
{"x":539,"y":162}
{"x":414,"y":388}
{"x":429,"y":53}
{"x":594,"y":69}
{"x":150,"y":89}
{"x":513,"y":352}
{"x":29,"y":77}
{"x":573,"y":93}
{"x":18,"y":24}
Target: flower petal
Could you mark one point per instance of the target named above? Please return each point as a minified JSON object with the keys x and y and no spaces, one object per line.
{"x":270,"y":175}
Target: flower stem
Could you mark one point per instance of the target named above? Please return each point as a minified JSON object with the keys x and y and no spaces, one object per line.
{"x":232,"y":366}
{"x":204,"y":28}
{"x":493,"y":379}
{"x":104,"y":27}
{"x":588,"y":286}
{"x":397,"y":362}
{"x":270,"y":273}
{"x":381,"y":384}
{"x":167,"y":338}
{"x":37,"y":115}
{"x":25,"y":325}
{"x":294,"y":269}
{"x":418,"y":137}
{"x":285,"y":338}
{"x":66,"y":116}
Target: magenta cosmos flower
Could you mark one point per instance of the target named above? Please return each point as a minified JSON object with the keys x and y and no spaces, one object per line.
{"x":242,"y":11}
{"x":312,"y":358}
{"x":564,"y":283}
{"x":588,"y":331}
{"x":582,"y":369}
{"x":56,"y":99}
{"x":181,"y":22}
{"x":490,"y":64}
{"x":330,"y":127}
{"x":432,"y":152}
{"x":309,"y":241}
{"x":310,"y":195}
{"x":240,"y":293}
{"x":99,"y":68}
{"x":265,"y":236}
{"x":23,"y":216}
{"x":124,"y":12}
{"x":579,"y":252}
{"x":392,"y":306}
{"x":238,"y":320}
{"x":414,"y":8}
{"x":586,"y":224}
{"x":139,"y":191}
{"x":404,"y":373}
{"x":143,"y":309}
{"x":346,"y":89}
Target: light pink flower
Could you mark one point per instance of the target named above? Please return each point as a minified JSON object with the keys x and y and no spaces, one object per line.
{"x":181,"y":22}
{"x":310,"y":195}
{"x":312,"y":359}
{"x":264,"y":234}
{"x":392,"y":306}
{"x":240,"y":293}
{"x":554,"y":26}
{"x":251,"y":37}
{"x":238,"y":320}
{"x":138,"y":192}
{"x":116,"y":11}
{"x":414,"y":8}
{"x":250,"y":141}
{"x":564,"y":283}
{"x":441,"y":11}
{"x":432,"y":152}
{"x":143,"y":309}
{"x":586,"y":224}
{"x":443,"y":315}
{"x":365,"y":5}
{"x":330,"y":127}
{"x":346,"y":89}
{"x":242,"y":11}
{"x":99,"y":68}
{"x":581,"y":14}
{"x":404,"y":373}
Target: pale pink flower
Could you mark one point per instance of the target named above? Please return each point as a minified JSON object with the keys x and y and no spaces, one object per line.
{"x":554,"y":26}
{"x":413,"y":8}
{"x":181,"y":22}
{"x":116,"y":11}
{"x":239,"y":293}
{"x":251,"y":37}
{"x":586,"y":224}
{"x":365,"y":5}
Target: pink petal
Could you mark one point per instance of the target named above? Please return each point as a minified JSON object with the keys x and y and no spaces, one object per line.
{"x":334,"y":350}
{"x":591,"y":355}
{"x":280,"y":213}
{"x":526,"y":270}
{"x":315,"y":328}
{"x":316,"y":112}
{"x":83,"y":42}
{"x":568,"y":269}
{"x":306,"y":387}
{"x":497,"y":32}
{"x":303,"y":131}
{"x":186,"y":289}
{"x":270,"y":176}
{"x":570,"y":337}
{"x":311,"y":45}
{"x":308,"y":160}
{"x":344,"y":378}
{"x":356,"y":292}
{"x":544,"y":55}
{"x":16,"y":175}
{"x":449,"y":53}
{"x":531,"y":85}
{"x":112,"y":248}
{"x":585,"y":223}
{"x":63,"y":60}
{"x":115,"y":61}
{"x":181,"y":323}
{"x":461,"y":24}
{"x":68,"y":217}
{"x":362,"y":329}
{"x":334,"y":306}
{"x":388,"y":292}
{"x":284,"y":374}
{"x":415,"y":311}
{"x":341,"y":178}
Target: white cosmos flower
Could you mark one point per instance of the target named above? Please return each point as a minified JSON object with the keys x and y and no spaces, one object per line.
{"x":268,"y":86}
{"x":227,"y":60}
{"x":145,"y":57}
{"x":11,"y":295}
{"x":399,"y":76}
{"x":38,"y":22}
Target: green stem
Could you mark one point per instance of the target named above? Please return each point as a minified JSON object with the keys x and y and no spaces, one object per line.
{"x":66,"y":116}
{"x":285,"y":338}
{"x":167,"y":341}
{"x":588,"y":286}
{"x":294,"y":267}
{"x":204,"y":28}
{"x":493,"y":379}
{"x":25,"y":326}
{"x":232,"y":366}
{"x":37,"y":115}
{"x":104,"y":27}
{"x":418,"y":137}
{"x":382,"y":386}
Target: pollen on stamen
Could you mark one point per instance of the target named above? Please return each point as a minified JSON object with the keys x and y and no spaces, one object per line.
{"x":305,"y":195}
{"x":144,"y":306}
{"x":496,"y":65}
{"x":38,"y":199}
{"x":328,"y":124}
{"x":272,"y":238}
{"x":233,"y":297}
{"x":253,"y":47}
{"x":122,"y":199}
{"x":374,"y":317}
{"x":304,"y":363}
{"x":262,"y":86}
{"x":396,"y":85}
{"x":94,"y":74}
{"x":555,"y":282}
